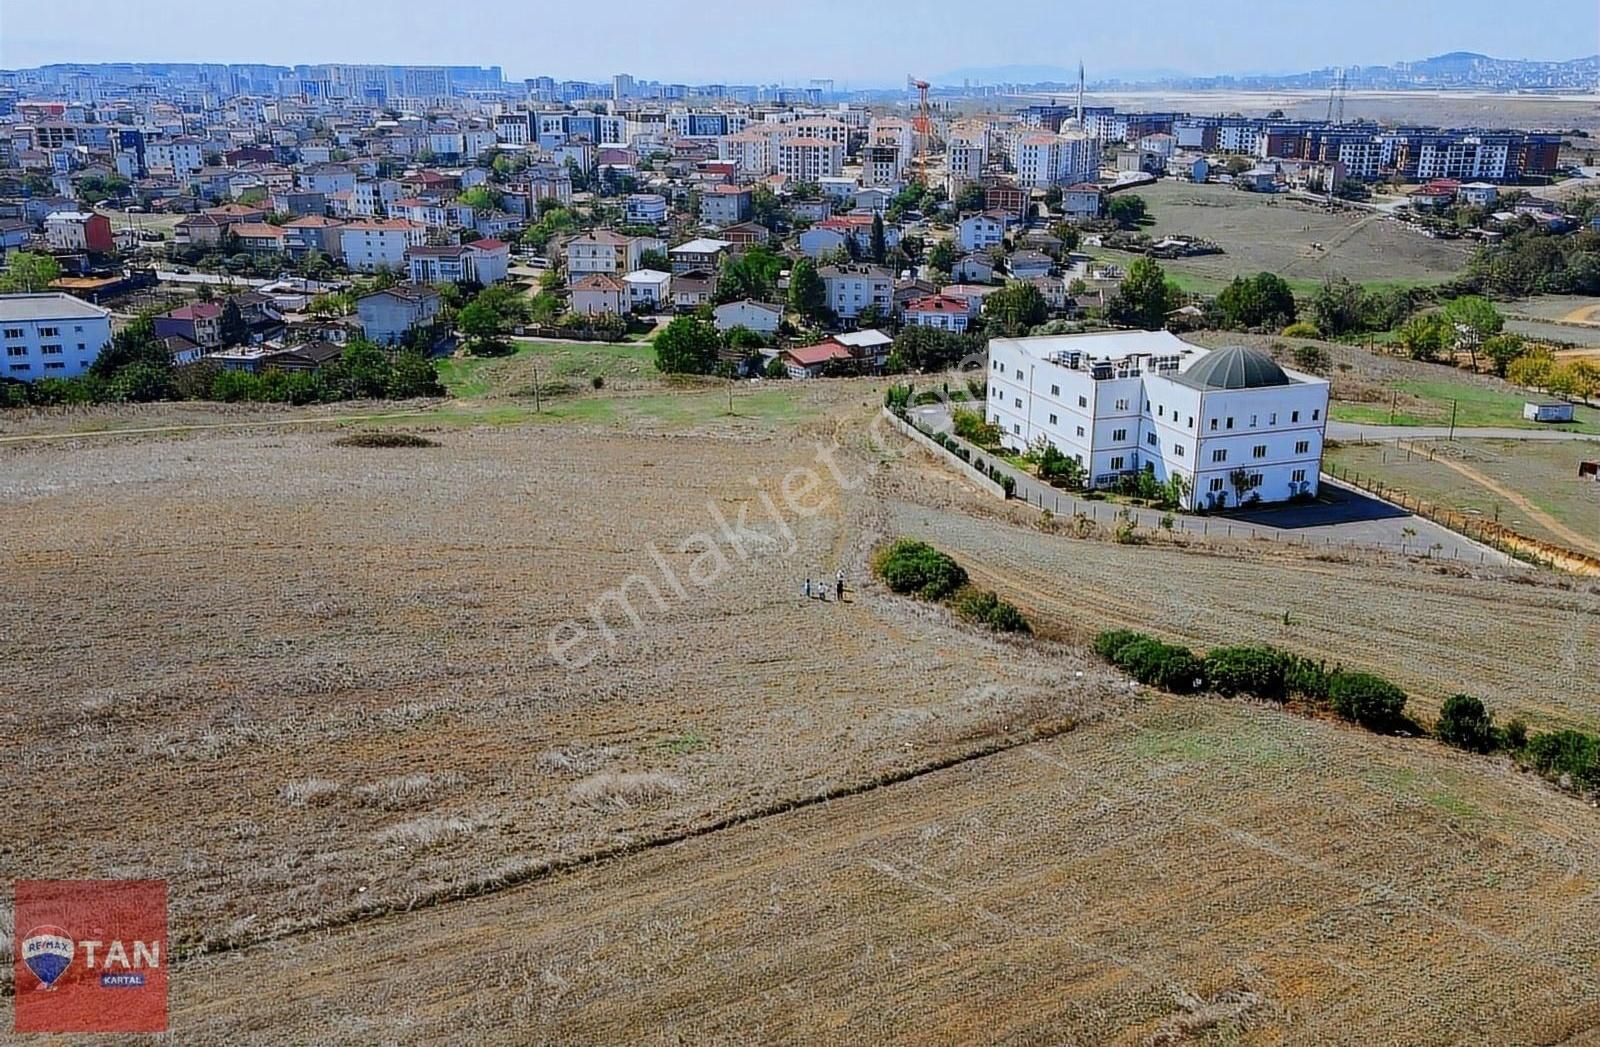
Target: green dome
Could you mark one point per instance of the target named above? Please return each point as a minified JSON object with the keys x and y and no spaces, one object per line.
{"x":1234,"y":368}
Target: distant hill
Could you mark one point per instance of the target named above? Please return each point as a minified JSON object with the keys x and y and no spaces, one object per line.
{"x":1458,"y":70}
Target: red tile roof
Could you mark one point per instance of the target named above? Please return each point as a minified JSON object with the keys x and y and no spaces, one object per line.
{"x":821,"y":353}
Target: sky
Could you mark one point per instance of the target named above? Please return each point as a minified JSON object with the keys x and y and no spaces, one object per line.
{"x":859,"y":43}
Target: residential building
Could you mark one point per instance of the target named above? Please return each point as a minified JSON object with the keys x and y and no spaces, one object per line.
{"x":481,"y":261}
{"x":852,"y":288}
{"x":597,"y":293}
{"x":809,"y":159}
{"x":692,"y":290}
{"x":813,"y":361}
{"x":649,"y":290}
{"x":1042,"y":159}
{"x":1233,"y":424}
{"x":1083,"y":202}
{"x":313,"y":233}
{"x":644,"y":209}
{"x":966,"y":154}
{"x":198,"y":322}
{"x":50,"y":335}
{"x":722,"y":205}
{"x":979,"y":232}
{"x":79,"y":231}
{"x":389,"y":315}
{"x":761,"y":317}
{"x":374,"y":244}
{"x":943,"y":312}
{"x":703,"y":253}
{"x":602,"y":251}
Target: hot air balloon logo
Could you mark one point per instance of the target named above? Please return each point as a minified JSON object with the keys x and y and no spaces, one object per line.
{"x":47,"y":952}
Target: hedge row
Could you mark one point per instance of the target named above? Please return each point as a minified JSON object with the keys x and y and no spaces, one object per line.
{"x":918,"y":569}
{"x":1264,"y":672}
{"x":1568,"y":758}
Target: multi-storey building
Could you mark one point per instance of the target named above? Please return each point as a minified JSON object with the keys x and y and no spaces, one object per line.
{"x":1232,"y":423}
{"x":809,"y":159}
{"x":1042,"y":159}
{"x":50,"y":335}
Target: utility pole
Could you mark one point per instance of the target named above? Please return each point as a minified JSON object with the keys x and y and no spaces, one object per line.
{"x":535,"y":364}
{"x":1453,"y":418}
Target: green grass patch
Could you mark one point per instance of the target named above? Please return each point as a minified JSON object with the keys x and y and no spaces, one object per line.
{"x":1428,"y":402}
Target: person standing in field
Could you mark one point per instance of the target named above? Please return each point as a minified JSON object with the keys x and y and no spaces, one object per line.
{"x":838,"y":585}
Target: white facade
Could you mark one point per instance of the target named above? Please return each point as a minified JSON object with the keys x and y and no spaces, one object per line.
{"x":648,"y":289}
{"x":645,"y":208}
{"x":50,"y":335}
{"x":979,"y":232}
{"x":1119,"y":403}
{"x":809,"y":159}
{"x":1042,"y":159}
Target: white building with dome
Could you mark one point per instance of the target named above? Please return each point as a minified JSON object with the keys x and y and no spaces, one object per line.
{"x":1235,"y":425}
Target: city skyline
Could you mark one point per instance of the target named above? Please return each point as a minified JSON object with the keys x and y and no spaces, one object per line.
{"x":880,"y":46}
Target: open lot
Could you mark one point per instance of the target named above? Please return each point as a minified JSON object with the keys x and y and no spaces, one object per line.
{"x":313,"y":686}
{"x":1531,"y":486}
{"x":1263,"y":232}
{"x":1556,"y":318}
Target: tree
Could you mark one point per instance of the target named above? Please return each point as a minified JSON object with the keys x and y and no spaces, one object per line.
{"x":1424,"y":336}
{"x":234,"y":329}
{"x":776,"y":368}
{"x":753,"y":275}
{"x":687,"y":345}
{"x":1127,"y":210}
{"x":1263,"y":301}
{"x":1337,"y":307}
{"x":1502,"y":349}
{"x":1532,"y":369}
{"x":1465,"y":724}
{"x":484,"y":328}
{"x":412,"y":375}
{"x":808,"y":295}
{"x":480,"y":198}
{"x":1015,"y":308}
{"x":942,"y":256}
{"x":28,"y":271}
{"x":970,"y":198}
{"x":363,"y":370}
{"x":764,"y":208}
{"x":1473,"y":320}
{"x":879,"y":248}
{"x":135,"y":344}
{"x":1143,"y":299}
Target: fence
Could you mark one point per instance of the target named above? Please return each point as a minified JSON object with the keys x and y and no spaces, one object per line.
{"x":1036,"y":493}
{"x":1488,"y":532}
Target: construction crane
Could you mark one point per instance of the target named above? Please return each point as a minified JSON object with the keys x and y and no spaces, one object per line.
{"x":922,"y":124}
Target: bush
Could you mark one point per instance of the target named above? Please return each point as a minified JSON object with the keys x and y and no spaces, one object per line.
{"x":1156,"y":664}
{"x":1303,"y":678}
{"x":1514,"y":736}
{"x":384,"y":440}
{"x":1571,"y":754}
{"x":1466,"y":724}
{"x":1261,"y":671}
{"x":919,"y":569}
{"x":1302,"y":329}
{"x":1368,"y":700}
{"x":986,"y":608}
{"x":1108,"y":643}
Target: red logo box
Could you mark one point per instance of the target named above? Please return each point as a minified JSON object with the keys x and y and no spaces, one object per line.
{"x":91,"y":956}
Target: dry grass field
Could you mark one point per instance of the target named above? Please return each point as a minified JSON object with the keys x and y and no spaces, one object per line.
{"x":1261,"y":232}
{"x":314,"y":686}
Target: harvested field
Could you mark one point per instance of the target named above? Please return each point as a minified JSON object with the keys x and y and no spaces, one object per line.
{"x":247,"y":647}
{"x":312,"y":686}
{"x":1261,"y":232}
{"x":1222,"y":871}
{"x":1452,"y":623}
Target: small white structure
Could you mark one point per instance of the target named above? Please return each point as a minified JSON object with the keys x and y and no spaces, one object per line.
{"x":1547,"y":411}
{"x":1236,"y":426}
{"x":761,"y":317}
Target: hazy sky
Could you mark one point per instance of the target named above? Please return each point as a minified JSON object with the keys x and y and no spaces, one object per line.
{"x":859,"y":42}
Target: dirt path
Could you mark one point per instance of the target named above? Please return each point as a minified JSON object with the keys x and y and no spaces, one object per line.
{"x":195,"y":427}
{"x":1574,"y":538}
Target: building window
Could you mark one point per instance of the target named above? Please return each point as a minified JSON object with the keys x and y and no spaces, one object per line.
{"x":1116,"y":463}
{"x":1220,"y":455}
{"x":1294,"y":416}
{"x":1298,"y":476}
{"x":1253,"y":421}
{"x":1016,"y":429}
{"x":1190,"y":423}
{"x":1017,"y":401}
{"x":1213,"y":425}
{"x":1083,"y":401}
{"x":1258,"y":451}
{"x":23,"y":368}
{"x":1052,"y":419}
{"x":1177,"y":449}
{"x":50,"y":350}
{"x":1119,"y":435}
{"x":1080,"y":430}
{"x":49,"y":332}
{"x":1272,"y":419}
{"x":1161,"y":411}
{"x":1230,"y":423}
{"x":1055,"y":390}
{"x":1019,"y":374}
{"x":15,"y":332}
{"x":1150,"y":438}
{"x":1316,"y":414}
{"x":995,"y":420}
{"x":55,"y":365}
{"x":16,"y":350}
{"x":1122,"y":405}
{"x":1216,"y":483}
{"x":1303,"y":447}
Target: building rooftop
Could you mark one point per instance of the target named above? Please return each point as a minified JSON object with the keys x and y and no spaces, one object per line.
{"x":48,"y":306}
{"x":1235,"y":367}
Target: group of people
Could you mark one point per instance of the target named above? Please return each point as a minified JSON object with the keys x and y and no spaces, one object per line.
{"x":817,"y":589}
